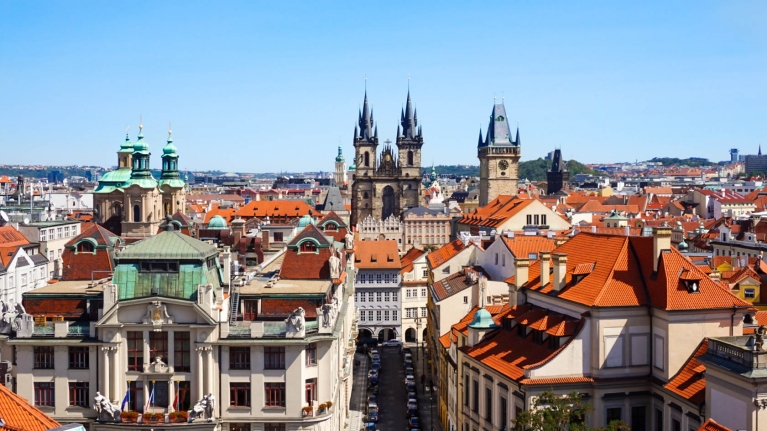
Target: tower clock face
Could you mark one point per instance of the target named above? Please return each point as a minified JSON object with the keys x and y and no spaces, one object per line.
{"x":503,"y":164}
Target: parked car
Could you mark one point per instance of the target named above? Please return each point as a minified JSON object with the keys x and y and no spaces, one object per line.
{"x":375,"y":359}
{"x":409,"y":379}
{"x":411,"y":396}
{"x":372,"y":399}
{"x":370,"y":426}
{"x":376,"y":366}
{"x":413,"y":422}
{"x":372,"y":373}
{"x":411,"y":411}
{"x":373,"y":381}
{"x":411,"y":387}
{"x":408,"y":364}
{"x":373,"y":415}
{"x":405,"y":350}
{"x":373,"y":352}
{"x":408,"y":357}
{"x":409,"y":371}
{"x":391,"y":343}
{"x":372,"y":405}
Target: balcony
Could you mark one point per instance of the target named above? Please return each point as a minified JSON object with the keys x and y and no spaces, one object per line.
{"x":737,"y":354}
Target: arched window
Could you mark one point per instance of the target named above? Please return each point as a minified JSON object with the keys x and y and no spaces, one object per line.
{"x":136,"y":213}
{"x":330,"y":227}
{"x":308,"y":247}
{"x":365,"y":195}
{"x":367,"y":159}
{"x":410,"y":158}
{"x":84,"y":247}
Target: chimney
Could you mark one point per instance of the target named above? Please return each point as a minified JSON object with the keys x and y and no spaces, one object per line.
{"x":661,"y":240}
{"x":521,"y":267}
{"x":560,"y":270}
{"x":544,"y":258}
{"x":593,"y":229}
{"x":265,"y":240}
{"x":627,"y":231}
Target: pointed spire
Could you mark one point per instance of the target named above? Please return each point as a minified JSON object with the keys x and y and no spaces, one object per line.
{"x":415,"y":115}
{"x":760,"y":149}
{"x":399,"y":132}
{"x":366,"y":120}
{"x":376,"y":132}
{"x":516,"y":141}
{"x":409,"y":125}
{"x":480,"y":142}
{"x":356,"y":132}
{"x":140,"y":127}
{"x":170,"y":133}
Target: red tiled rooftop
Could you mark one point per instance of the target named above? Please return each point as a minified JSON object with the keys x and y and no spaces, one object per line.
{"x":19,"y":415}
{"x":445,"y":253}
{"x":690,"y":381}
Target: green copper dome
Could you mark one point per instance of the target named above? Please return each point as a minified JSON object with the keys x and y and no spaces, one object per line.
{"x":169,"y":149}
{"x":482,"y":320}
{"x":217,"y":222}
{"x":140,"y":146}
{"x":340,"y":157}
{"x":683,"y":246}
{"x":433,"y":173}
{"x":305,"y":220}
{"x":127,"y":145}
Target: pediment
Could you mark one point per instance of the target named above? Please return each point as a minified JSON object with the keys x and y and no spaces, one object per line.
{"x":156,"y":311}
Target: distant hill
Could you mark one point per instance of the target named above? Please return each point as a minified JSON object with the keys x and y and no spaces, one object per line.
{"x":533,"y":170}
{"x":692,"y":162}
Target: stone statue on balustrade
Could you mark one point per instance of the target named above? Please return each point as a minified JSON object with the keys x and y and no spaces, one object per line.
{"x":205,"y":409}
{"x":12,"y":317}
{"x":335,"y":264}
{"x":349,"y":240}
{"x":105,"y":410}
{"x":296,"y":324}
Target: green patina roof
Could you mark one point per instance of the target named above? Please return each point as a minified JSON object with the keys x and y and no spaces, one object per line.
{"x":113,"y":180}
{"x":340,"y":157}
{"x":127,"y":146}
{"x":169,"y":245}
{"x":197,"y":264}
{"x":172,"y":182}
{"x":217,"y":222}
{"x":144,"y":183}
{"x":483,"y":320}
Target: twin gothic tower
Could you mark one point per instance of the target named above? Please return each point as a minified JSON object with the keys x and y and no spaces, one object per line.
{"x":388,"y":183}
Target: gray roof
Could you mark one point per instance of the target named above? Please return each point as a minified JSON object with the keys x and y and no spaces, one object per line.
{"x":409,"y":120}
{"x":557,"y":164}
{"x":365,"y":122}
{"x":333,"y":200}
{"x":169,"y":245}
{"x":419,"y":211}
{"x":498,"y":131}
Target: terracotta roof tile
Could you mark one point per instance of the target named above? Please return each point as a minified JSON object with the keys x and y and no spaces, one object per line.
{"x":455,"y":283}
{"x":690,"y":381}
{"x":445,"y":253}
{"x":408,"y":258}
{"x":377,"y":254}
{"x":282,"y":308}
{"x":19,"y":415}
{"x":712,"y":425}
{"x":284,"y":208}
{"x":522,"y":246}
{"x":496,"y":212}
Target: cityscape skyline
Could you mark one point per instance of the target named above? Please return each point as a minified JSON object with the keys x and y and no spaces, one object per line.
{"x":604,"y":83}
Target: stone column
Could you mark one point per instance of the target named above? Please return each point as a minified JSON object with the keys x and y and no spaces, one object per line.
{"x":115,"y":370}
{"x":210,"y":370}
{"x":171,"y":395}
{"x":106,"y":371}
{"x":200,"y":375}
{"x":147,"y":358}
{"x":171,"y":349}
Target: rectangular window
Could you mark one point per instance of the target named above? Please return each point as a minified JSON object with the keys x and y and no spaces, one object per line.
{"x":425,"y":273}
{"x":370,"y":315}
{"x":362,"y":297}
{"x":158,"y":345}
{"x":613,"y":414}
{"x":465,"y":299}
{"x":378,"y":296}
{"x":750,"y":293}
{"x":311,"y":354}
{"x":408,"y":313}
{"x":78,"y":394}
{"x":423,"y":293}
{"x":658,"y":420}
{"x":639,"y":418}
{"x":278,"y":236}
{"x":475,"y":394}
{"x":386,"y":315}
{"x":676,"y":425}
{"x":503,"y":406}
{"x":42,"y":235}
{"x":181,"y":351}
{"x":239,"y":394}
{"x":658,"y":351}
{"x":274,"y":394}
{"x":79,"y":357}
{"x":136,"y":401}
{"x":529,"y":219}
{"x":66,"y":231}
{"x":370,"y":296}
{"x":496,"y":259}
{"x":378,"y":278}
{"x":58,"y":232}
{"x":239,"y":358}
{"x":488,"y":404}
{"x":45,"y":394}
{"x":362,"y":316}
{"x":466,"y":391}
{"x":613,"y":351}
{"x":543,"y":219}
{"x":407,"y":293}
{"x":135,"y":351}
{"x":378,"y":315}
{"x":503,"y":263}
{"x":423,"y":311}
{"x":535,"y":217}
{"x":370,"y":279}
{"x":274,"y":427}
{"x":183,"y":401}
{"x":44,"y":358}
{"x":274,"y":358}
{"x":394,"y":315}
{"x":387,"y":278}
{"x":387,"y":297}
{"x":310,"y":391}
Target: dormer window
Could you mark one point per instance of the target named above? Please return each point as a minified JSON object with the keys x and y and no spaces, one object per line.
{"x":308,"y":247}
{"x":690,"y":280}
{"x":85,"y":247}
{"x":692,"y":286}
{"x":330,"y":227}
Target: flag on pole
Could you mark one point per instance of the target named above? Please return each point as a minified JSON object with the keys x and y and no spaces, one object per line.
{"x":126,"y":400}
{"x":175,"y":398}
{"x":150,"y":401}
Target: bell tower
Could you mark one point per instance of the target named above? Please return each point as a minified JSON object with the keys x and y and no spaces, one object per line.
{"x":365,"y":149}
{"x":498,"y":155}
{"x":409,"y":141}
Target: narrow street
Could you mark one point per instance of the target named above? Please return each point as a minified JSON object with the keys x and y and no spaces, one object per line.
{"x":392,"y":396}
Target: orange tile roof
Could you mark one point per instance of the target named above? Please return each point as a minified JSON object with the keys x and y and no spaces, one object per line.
{"x":496,"y":212}
{"x":285,"y":208}
{"x":376,"y":254}
{"x":408,"y":258}
{"x":690,"y":381}
{"x":522,"y":246}
{"x":226,"y":213}
{"x":623,"y":274}
{"x":19,"y":415}
{"x":712,"y":425}
{"x":445,"y":253}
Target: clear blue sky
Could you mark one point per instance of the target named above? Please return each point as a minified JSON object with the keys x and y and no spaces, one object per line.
{"x":267,"y":86}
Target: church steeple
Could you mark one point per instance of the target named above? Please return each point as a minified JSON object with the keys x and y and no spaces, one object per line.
{"x":409,"y":125}
{"x":141,"y":158}
{"x":366,"y":121}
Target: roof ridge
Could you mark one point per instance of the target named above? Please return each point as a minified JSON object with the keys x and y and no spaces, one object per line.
{"x":581,"y":325}
{"x":612,"y":271}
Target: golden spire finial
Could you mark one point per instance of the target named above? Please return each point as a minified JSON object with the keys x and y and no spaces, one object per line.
{"x":170,"y":128}
{"x":140,"y":122}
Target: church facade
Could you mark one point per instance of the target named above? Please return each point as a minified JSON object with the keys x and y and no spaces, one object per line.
{"x":498,"y":155}
{"x":388,"y":183}
{"x":129,"y":201}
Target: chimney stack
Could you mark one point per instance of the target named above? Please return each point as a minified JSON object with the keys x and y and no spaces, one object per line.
{"x":544,"y":257}
{"x":661,"y":240}
{"x":560,"y":270}
{"x":521,"y":267}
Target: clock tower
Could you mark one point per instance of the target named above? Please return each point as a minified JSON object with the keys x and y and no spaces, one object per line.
{"x":498,"y":155}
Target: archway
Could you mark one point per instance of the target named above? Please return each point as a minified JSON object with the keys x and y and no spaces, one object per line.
{"x":381,"y":335}
{"x":410,"y":336}
{"x":364,"y":334}
{"x":423,"y":336}
{"x":136,"y":213}
{"x":388,"y":202}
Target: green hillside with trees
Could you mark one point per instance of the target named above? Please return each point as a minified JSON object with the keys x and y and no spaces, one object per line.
{"x":533,"y":170}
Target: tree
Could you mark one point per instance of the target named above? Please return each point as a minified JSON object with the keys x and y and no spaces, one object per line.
{"x":552,"y":412}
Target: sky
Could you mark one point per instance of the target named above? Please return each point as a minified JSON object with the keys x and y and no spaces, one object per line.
{"x":276,"y":86}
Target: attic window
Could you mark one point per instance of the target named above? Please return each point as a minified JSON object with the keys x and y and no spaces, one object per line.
{"x":330,"y":227}
{"x":85,"y":247}
{"x":693,"y":286}
{"x":308,"y":247}
{"x":532,"y":256}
